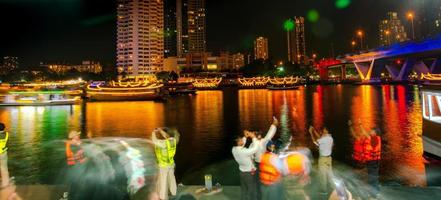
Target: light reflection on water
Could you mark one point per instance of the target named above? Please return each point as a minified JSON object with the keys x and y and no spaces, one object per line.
{"x":209,"y":121}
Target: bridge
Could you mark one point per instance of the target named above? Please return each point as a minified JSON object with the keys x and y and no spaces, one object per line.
{"x":398,"y":60}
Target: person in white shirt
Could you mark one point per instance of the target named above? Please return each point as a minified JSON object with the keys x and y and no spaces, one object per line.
{"x":325,"y":142}
{"x":244,"y":157}
{"x":262,"y":142}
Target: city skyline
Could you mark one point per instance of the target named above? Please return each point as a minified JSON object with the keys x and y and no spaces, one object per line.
{"x":85,"y":30}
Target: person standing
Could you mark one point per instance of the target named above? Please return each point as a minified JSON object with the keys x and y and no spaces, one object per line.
{"x":262,"y":142}
{"x":165,"y":141}
{"x":74,"y":151}
{"x":244,"y":157}
{"x":373,"y":157}
{"x":4,"y":138}
{"x":325,"y":142}
{"x":271,"y":174}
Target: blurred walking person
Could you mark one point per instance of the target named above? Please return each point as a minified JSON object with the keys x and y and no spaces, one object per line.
{"x":75,"y":159}
{"x":4,"y":138}
{"x":165,"y":141}
{"x":325,"y":142}
{"x":244,"y":158}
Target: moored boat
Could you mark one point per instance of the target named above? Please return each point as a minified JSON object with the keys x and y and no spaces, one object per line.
{"x":431,"y":108}
{"x":125,"y":91}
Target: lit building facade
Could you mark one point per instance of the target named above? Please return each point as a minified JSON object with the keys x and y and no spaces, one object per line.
{"x":300,"y":42}
{"x":238,"y":60}
{"x":261,"y":48}
{"x":437,"y":22}
{"x":182,"y":27}
{"x":9,"y":63}
{"x":140,"y":37}
{"x":84,"y":67}
{"x":392,"y":30}
{"x":170,"y":31}
{"x":197,"y":40}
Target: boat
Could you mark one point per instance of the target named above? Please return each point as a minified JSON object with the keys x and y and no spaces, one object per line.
{"x":253,"y":83}
{"x":282,"y":87}
{"x":207,"y":83}
{"x":431,"y":104}
{"x":42,"y":94}
{"x":125,"y":91}
{"x":179,"y":88}
{"x":286,"y":83}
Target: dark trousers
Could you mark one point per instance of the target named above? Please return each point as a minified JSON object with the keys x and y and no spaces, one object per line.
{"x":258,"y":184}
{"x":247,"y":186}
{"x":273,"y":192}
{"x":373,"y":168}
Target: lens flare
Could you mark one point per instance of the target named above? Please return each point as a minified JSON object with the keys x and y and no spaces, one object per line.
{"x":313,"y":15}
{"x":341,"y":4}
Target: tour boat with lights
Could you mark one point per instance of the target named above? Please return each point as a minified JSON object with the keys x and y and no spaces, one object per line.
{"x":207,"y":83}
{"x":42,"y":94}
{"x":253,"y":83}
{"x":431,"y":108}
{"x":286,"y":83}
{"x":125,"y":91}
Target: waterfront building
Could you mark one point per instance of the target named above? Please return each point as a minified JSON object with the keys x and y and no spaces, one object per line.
{"x":391,"y":30}
{"x":300,"y":42}
{"x":196,"y":26}
{"x":9,"y":63}
{"x":84,"y":67}
{"x":170,"y":31}
{"x":261,"y":48}
{"x":140,"y":37}
{"x":207,"y":61}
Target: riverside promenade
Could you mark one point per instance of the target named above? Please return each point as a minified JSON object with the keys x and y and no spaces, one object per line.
{"x":49,"y":192}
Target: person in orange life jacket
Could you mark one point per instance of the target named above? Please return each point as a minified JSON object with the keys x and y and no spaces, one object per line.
{"x":325,"y":142}
{"x":4,"y":138}
{"x":271,"y":174}
{"x":74,"y":151}
{"x":262,"y":142}
{"x":244,"y":157}
{"x":359,"y":140}
{"x":372,"y":154}
{"x":296,"y":162}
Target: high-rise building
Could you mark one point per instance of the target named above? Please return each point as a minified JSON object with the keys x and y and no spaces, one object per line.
{"x":238,"y":60}
{"x":300,"y":42}
{"x":391,"y":30}
{"x":9,"y":63}
{"x":182,"y":27}
{"x":437,"y":22}
{"x":290,"y":36}
{"x":140,"y":36}
{"x":196,"y":26}
{"x":170,"y":29}
{"x":261,"y":48}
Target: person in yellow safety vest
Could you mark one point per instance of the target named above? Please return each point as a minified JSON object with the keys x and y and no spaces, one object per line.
{"x":165,"y":141}
{"x":4,"y":138}
{"x":271,"y":174}
{"x":74,"y":151}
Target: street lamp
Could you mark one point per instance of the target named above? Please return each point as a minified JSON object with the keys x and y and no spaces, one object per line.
{"x":360,"y":34}
{"x":411,"y":16}
{"x":353,"y":43}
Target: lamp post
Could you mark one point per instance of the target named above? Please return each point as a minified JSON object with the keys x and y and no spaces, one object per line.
{"x":410,"y":16}
{"x":360,"y":34}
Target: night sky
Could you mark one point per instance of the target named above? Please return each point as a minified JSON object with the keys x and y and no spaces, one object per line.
{"x":75,"y":30}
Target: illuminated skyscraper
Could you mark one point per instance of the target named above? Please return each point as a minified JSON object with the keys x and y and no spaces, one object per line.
{"x":261,"y":48}
{"x":140,"y":36}
{"x":170,"y":31}
{"x":300,"y":43}
{"x":182,"y":27}
{"x":196,"y":26}
{"x":391,"y":30}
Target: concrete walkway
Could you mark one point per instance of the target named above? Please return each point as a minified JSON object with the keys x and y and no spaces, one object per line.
{"x":49,"y":192}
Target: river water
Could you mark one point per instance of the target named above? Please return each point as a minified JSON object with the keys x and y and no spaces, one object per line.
{"x":209,"y":121}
